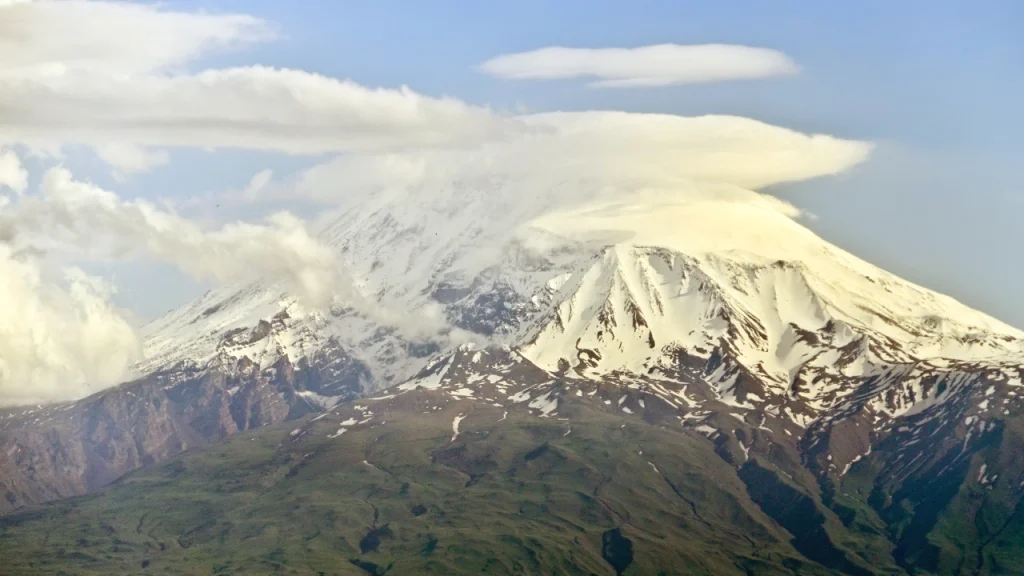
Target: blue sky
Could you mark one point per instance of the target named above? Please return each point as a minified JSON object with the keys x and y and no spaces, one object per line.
{"x":150,"y":144}
{"x":935,"y":84}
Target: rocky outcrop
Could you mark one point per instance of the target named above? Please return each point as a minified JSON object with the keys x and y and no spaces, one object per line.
{"x":70,"y":449}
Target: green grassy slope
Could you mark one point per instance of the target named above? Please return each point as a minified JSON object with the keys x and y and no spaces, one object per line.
{"x":382,"y":487}
{"x":510,"y":496}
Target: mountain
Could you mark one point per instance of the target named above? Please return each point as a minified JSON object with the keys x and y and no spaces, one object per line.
{"x":625,"y":387}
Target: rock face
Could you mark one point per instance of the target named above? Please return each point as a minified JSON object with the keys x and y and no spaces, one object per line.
{"x":69,"y":449}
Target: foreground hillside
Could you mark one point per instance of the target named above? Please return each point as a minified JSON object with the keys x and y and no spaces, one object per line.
{"x":485,"y":464}
{"x":519,"y":495}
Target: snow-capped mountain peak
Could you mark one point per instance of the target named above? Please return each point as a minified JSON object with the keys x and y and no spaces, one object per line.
{"x":610,"y":286}
{"x":727,"y":319}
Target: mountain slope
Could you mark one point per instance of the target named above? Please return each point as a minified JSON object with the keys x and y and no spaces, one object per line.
{"x":485,"y":462}
{"x":69,"y":449}
{"x":428,"y":482}
{"x":748,"y":270}
{"x":849,"y":419}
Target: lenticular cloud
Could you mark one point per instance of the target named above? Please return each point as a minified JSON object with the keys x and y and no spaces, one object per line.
{"x":646,"y":66}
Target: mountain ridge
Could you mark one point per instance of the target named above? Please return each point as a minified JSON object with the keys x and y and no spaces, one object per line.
{"x":526,"y":271}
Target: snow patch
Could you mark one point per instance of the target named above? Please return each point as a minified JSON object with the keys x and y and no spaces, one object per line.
{"x":455,"y":426}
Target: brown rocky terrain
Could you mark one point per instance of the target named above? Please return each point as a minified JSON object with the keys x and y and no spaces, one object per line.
{"x":69,"y":449}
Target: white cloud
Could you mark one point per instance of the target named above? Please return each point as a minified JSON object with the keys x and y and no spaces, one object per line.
{"x":58,"y":340}
{"x":646,"y":66}
{"x":253,"y":108}
{"x":131,"y":159}
{"x":473,"y":201}
{"x":12,"y":174}
{"x":115,"y":37}
{"x":83,"y":220}
{"x":63,"y":340}
{"x":595,"y":151}
{"x":113,"y":73}
{"x":257,"y":184}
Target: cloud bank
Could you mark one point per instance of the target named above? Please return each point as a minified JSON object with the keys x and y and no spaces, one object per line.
{"x":62,"y":339}
{"x":59,"y":339}
{"x":646,"y":66}
{"x":251,"y":108}
{"x":82,"y":220}
{"x":114,"y":75}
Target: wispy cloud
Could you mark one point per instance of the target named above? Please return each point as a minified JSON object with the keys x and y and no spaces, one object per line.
{"x":645,"y":66}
